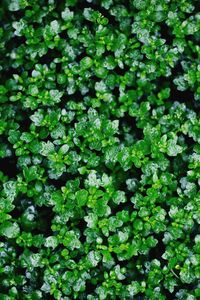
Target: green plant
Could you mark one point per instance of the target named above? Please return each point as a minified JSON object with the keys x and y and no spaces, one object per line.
{"x":99,"y":149}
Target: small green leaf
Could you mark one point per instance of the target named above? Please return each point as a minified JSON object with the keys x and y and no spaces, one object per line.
{"x":86,"y":63}
{"x":9,"y":230}
{"x":51,"y":242}
{"x":10,"y":188}
{"x":67,"y":15}
{"x":82,"y":197}
{"x":30,"y":174}
{"x":119,"y":197}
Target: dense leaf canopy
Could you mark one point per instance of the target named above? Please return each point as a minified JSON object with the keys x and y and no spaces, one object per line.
{"x":99,"y":149}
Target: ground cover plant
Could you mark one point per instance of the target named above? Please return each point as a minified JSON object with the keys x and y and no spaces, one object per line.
{"x":99,"y":149}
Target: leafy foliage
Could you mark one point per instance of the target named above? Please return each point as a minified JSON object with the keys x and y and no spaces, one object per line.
{"x":99,"y":149}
